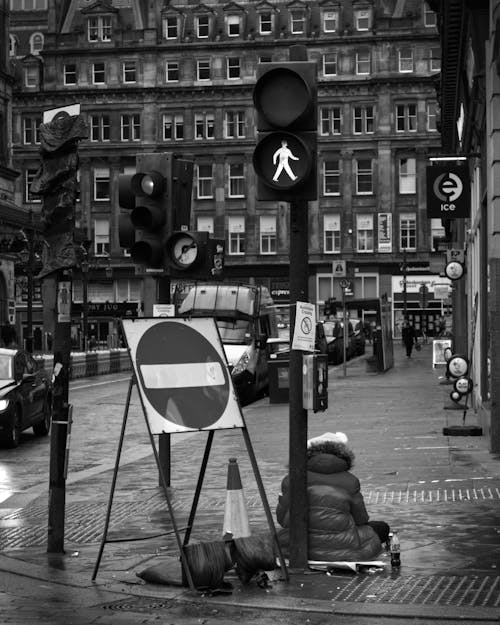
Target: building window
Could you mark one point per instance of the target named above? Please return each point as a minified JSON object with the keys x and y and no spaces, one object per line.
{"x":431,"y":114}
{"x":363,"y":120}
{"x":265,"y":23}
{"x":236,"y":234}
{"x":28,"y":179}
{"x":203,"y":70}
{"x":364,"y":233}
{"x":362,"y":20}
{"x":406,"y":118}
{"x":331,"y":121}
{"x":31,"y":76}
{"x":331,"y":177}
{"x":36,"y":43}
{"x":363,"y":63}
{"x":331,"y":234}
{"x":233,"y":24}
{"x":435,"y":60}
{"x":405,"y":56}
{"x":236,"y":180}
{"x":28,"y":5}
{"x":330,"y":64}
{"x":364,"y":176}
{"x":173,"y":127}
{"x":202,"y":25}
{"x":330,"y":21}
{"x":234,"y":125}
{"x":204,"y":126}
{"x":101,"y":237}
{"x":430,"y":20}
{"x":297,"y":22}
{"x":408,"y":231}
{"x":233,"y":67}
{"x":31,"y":126}
{"x":172,"y":71}
{"x":407,"y":175}
{"x":98,"y":73}
{"x":205,"y":224}
{"x":70,"y":74}
{"x":129,"y":71}
{"x":12,"y":45}
{"x":99,"y":28}
{"x":170,"y":27}
{"x":101,"y":184}
{"x":99,"y":128}
{"x":437,"y":233}
{"x":130,"y":127}
{"x":268,"y":235}
{"x":204,"y":182}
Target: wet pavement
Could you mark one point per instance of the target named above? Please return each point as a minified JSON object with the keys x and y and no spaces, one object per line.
{"x":441,"y":493}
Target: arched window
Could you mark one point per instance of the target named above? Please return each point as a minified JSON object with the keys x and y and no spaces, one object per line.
{"x":36,"y":43}
{"x":12,"y":45}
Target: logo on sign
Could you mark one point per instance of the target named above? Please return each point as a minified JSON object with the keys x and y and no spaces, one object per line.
{"x":448,"y":188}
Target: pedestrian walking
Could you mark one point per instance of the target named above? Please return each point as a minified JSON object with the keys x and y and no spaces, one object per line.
{"x":409,"y":336}
{"x":338,"y":523}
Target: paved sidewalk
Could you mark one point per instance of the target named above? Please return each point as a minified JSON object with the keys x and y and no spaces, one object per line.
{"x":441,"y":493}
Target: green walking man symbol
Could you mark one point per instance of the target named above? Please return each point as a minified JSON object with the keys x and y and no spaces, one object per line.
{"x":281,"y":156}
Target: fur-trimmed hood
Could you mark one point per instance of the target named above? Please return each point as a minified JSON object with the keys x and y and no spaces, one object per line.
{"x":329,"y":457}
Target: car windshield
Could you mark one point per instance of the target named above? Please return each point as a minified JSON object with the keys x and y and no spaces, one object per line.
{"x":235,"y":331}
{"x":5,"y":368}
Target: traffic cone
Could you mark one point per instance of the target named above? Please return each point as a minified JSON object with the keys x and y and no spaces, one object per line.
{"x":235,"y":514}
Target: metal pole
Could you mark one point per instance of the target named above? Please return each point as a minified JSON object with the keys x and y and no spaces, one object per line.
{"x":298,"y":416}
{"x":345,"y":336}
{"x":404,"y":283}
{"x":164,"y":442}
{"x":85,"y":310}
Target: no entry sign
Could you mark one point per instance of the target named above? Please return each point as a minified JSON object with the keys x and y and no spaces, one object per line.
{"x":182,"y":374}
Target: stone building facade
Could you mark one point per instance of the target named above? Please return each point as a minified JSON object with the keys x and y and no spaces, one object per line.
{"x":178,"y":77}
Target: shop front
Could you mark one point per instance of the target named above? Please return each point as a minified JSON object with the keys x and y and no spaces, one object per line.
{"x":425,"y":300}
{"x":103,"y":324}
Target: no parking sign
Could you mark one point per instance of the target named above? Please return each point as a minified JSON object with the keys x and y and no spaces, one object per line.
{"x":182,"y":374}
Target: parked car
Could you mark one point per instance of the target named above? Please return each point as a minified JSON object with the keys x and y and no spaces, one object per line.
{"x":25,"y":396}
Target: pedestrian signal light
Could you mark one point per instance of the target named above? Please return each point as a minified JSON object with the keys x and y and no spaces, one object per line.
{"x":285,"y":100}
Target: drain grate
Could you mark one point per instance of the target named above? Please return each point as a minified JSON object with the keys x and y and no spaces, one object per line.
{"x":473,"y":591}
{"x":138,"y":604}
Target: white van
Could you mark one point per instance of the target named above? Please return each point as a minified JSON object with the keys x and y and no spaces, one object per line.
{"x":246,"y":319}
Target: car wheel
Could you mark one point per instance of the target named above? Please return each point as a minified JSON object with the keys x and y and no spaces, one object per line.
{"x":42,"y":428}
{"x":12,"y":436}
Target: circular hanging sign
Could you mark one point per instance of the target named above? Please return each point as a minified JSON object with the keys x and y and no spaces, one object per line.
{"x":455,"y":396}
{"x":463,"y":385}
{"x":448,"y":353}
{"x":458,"y":366}
{"x":454,"y":270}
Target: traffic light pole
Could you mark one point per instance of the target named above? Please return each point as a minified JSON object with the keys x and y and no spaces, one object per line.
{"x":297,"y":414}
{"x":164,"y":442}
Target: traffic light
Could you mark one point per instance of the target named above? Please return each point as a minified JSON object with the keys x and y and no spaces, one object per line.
{"x":147,"y":196}
{"x":195,"y":255}
{"x":285,"y":158}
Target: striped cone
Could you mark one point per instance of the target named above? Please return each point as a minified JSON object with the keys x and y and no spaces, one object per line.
{"x":235,"y":514}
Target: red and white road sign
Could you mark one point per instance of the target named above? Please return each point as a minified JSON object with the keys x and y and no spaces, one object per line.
{"x":182,"y":374}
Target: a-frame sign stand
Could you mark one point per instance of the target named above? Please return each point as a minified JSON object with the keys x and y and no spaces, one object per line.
{"x":188,"y":529}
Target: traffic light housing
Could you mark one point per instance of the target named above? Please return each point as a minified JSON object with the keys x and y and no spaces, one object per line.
{"x":195,"y":255}
{"x":285,"y":158}
{"x":147,"y":198}
{"x":157,"y":201}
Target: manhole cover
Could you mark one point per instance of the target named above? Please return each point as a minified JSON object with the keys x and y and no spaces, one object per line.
{"x":138,"y":604}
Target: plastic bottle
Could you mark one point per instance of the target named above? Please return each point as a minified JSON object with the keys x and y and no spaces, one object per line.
{"x":395,"y":550}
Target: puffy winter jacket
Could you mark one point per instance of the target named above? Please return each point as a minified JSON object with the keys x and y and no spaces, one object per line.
{"x":337,"y":519}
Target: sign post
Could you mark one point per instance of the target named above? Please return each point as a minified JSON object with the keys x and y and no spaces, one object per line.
{"x":344,"y":285}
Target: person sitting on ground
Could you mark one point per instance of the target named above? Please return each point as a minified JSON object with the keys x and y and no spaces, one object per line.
{"x":339,"y":528}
